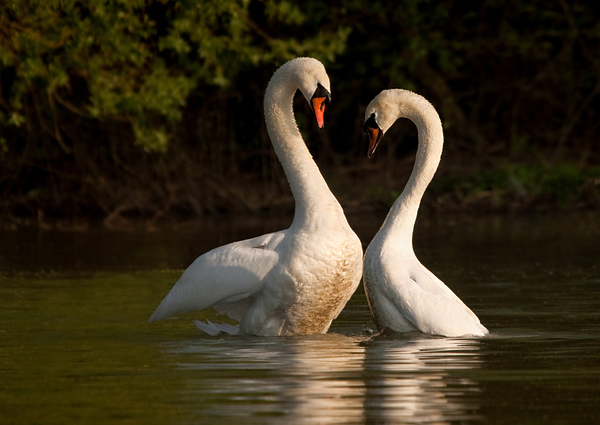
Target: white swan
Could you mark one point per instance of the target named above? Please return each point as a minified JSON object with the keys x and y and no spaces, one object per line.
{"x":403,"y":295}
{"x":292,"y":282}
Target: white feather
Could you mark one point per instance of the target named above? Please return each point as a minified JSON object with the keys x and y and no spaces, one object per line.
{"x":403,"y":295}
{"x":293,"y":282}
{"x":216,"y":328}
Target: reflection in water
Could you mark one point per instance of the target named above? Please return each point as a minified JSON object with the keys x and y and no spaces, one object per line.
{"x":75,"y":345}
{"x":307,"y":379}
{"x":330,"y":378}
{"x":413,"y":380}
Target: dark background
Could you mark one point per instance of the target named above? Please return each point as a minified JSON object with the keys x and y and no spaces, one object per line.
{"x":115,"y":111}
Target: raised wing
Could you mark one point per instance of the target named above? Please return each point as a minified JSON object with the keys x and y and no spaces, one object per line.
{"x":225,"y":277}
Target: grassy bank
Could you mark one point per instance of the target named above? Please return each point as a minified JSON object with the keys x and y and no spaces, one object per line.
{"x":503,"y":189}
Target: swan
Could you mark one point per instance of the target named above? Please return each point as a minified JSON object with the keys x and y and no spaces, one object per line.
{"x":402,"y":294}
{"x":292,"y":282}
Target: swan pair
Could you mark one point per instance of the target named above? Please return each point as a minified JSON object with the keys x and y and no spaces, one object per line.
{"x":297,"y":281}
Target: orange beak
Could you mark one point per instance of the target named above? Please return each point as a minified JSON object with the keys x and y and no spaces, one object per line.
{"x":374,"y":138}
{"x":371,"y":128}
{"x":318,"y":104}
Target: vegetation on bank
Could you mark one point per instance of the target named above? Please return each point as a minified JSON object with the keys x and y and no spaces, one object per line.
{"x":153,"y":108}
{"x":522,"y":188}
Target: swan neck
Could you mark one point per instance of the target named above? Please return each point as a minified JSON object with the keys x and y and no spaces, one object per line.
{"x":308,"y":186}
{"x":403,"y":214}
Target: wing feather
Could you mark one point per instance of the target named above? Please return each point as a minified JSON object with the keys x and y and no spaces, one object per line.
{"x":431,"y":306}
{"x":226,"y":276}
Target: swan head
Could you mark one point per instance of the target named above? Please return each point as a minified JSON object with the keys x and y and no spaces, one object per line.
{"x":309,"y":76}
{"x":389,"y":105}
{"x":380,"y":115}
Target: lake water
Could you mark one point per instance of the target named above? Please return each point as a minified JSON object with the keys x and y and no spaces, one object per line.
{"x":75,"y":345}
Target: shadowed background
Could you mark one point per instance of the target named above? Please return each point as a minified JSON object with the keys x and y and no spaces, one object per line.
{"x":153,"y":109}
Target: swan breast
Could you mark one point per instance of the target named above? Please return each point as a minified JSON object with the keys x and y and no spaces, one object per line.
{"x":328,"y":275}
{"x":313,"y":282}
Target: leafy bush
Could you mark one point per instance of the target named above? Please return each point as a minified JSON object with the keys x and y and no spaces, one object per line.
{"x":141,"y":107}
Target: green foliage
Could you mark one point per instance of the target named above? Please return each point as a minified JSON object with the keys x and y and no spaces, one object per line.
{"x":560,"y":184}
{"x":3,"y":146}
{"x":139,"y":61}
{"x":99,"y":98}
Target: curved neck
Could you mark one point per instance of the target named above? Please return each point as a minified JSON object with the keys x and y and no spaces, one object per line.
{"x":403,"y":214}
{"x":310,"y":191}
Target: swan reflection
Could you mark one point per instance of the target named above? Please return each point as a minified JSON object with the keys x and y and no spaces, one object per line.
{"x":417,"y":379}
{"x":329,"y":378}
{"x":307,"y":379}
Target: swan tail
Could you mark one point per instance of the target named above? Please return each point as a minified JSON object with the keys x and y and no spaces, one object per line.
{"x":216,"y":328}
{"x":484,"y":331}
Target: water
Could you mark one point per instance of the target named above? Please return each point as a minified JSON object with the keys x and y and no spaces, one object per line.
{"x":75,"y":345}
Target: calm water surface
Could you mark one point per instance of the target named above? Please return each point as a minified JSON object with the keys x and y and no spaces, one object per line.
{"x":75,"y":345}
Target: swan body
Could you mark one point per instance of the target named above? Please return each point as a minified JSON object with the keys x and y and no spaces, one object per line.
{"x":403,"y":295}
{"x":292,"y":282}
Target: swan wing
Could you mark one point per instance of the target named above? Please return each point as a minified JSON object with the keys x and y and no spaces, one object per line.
{"x":226,"y":277}
{"x":429,"y":305}
{"x":216,"y":328}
